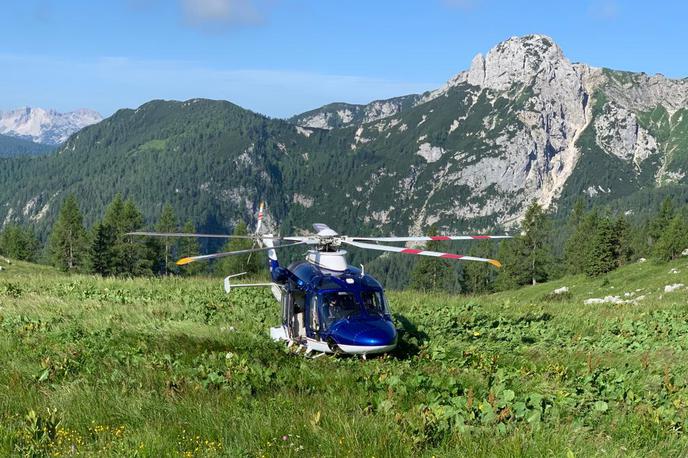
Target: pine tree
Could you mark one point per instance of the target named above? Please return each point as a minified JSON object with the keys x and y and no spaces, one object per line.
{"x":673,"y":241}
{"x":601,"y":257}
{"x":251,"y":264}
{"x":429,"y":273}
{"x":167,"y":223}
{"x":68,"y":245}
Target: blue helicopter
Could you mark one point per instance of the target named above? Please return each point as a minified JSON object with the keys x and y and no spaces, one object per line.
{"x":328,"y":306}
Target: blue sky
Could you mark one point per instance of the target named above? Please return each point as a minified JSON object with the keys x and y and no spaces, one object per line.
{"x":281,"y":57}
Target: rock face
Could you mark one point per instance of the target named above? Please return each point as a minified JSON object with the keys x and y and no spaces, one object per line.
{"x":45,"y":126}
{"x":515,"y":126}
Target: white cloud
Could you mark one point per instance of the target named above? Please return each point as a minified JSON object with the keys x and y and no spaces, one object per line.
{"x":221,"y":13}
{"x":603,"y":9}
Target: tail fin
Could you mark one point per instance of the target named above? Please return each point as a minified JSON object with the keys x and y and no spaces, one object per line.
{"x":272,"y":255}
{"x":259,"y":224}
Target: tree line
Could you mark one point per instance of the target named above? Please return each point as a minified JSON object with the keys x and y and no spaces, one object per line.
{"x":107,"y":249}
{"x":590,"y":242}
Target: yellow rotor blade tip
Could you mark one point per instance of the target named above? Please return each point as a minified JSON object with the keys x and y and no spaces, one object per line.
{"x":184,"y":261}
{"x":495,"y":263}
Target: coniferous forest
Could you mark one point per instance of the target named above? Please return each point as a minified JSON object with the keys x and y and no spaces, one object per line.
{"x":590,"y":241}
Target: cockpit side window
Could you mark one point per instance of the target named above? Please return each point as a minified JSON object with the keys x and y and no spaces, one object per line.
{"x":375,"y":302}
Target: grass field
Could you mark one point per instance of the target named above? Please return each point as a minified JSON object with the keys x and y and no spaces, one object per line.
{"x":175,"y":367}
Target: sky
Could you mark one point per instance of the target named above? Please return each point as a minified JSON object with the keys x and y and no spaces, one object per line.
{"x":283,"y":57}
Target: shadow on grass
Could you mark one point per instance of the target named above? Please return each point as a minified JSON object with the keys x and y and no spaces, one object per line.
{"x":410,"y":338}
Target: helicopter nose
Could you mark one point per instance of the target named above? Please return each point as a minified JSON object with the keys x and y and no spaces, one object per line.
{"x":366,"y":333}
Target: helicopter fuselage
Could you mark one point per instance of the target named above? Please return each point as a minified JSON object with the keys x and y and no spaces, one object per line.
{"x":323,"y":310}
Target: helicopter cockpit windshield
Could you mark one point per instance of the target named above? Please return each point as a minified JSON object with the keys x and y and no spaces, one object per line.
{"x":341,"y":304}
{"x":374,"y":303}
{"x":338,"y":305}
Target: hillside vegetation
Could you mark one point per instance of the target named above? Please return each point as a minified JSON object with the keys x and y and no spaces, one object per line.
{"x":522,"y":123}
{"x":11,"y":146}
{"x":175,"y":367}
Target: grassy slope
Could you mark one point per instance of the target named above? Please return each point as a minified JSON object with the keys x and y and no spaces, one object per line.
{"x":153,"y":367}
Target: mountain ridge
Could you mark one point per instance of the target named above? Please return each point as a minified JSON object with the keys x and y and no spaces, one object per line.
{"x":522,"y":123}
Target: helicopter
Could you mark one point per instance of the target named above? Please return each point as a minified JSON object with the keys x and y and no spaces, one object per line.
{"x":328,"y":306}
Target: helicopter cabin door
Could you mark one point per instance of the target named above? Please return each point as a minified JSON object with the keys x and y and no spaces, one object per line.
{"x":293,"y":313}
{"x":287,"y":312}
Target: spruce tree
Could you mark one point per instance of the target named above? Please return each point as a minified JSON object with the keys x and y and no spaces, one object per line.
{"x":579,"y":244}
{"x":103,"y":245}
{"x":138,"y":254}
{"x":513,"y":272}
{"x":527,"y":258}
{"x":128,"y":255}
{"x":577,"y":237}
{"x":537,"y":249}
{"x":673,"y":241}
{"x":68,"y":245}
{"x":660,"y":222}
{"x":601,"y":256}
{"x":429,"y":273}
{"x":623,"y":235}
{"x":18,"y":243}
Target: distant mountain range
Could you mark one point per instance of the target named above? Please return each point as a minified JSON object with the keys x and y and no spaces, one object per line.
{"x":45,"y":126}
{"x":522,"y":123}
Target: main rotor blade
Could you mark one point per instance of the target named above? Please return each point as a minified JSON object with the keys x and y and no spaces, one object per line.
{"x":205,"y":257}
{"x":436,"y":254}
{"x":428,"y":238}
{"x":190,"y":234}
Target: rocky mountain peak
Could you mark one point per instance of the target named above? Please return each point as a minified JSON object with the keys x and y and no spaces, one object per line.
{"x":517,"y":60}
{"x":45,"y":125}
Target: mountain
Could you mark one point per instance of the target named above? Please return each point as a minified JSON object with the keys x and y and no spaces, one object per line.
{"x":11,"y":146}
{"x":521,"y":123}
{"x":45,"y":126}
{"x":340,"y":114}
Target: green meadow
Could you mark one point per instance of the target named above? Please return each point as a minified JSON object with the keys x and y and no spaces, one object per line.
{"x":154,"y":367}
